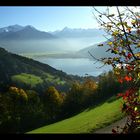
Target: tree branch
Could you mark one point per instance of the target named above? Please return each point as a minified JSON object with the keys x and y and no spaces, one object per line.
{"x":125,"y":34}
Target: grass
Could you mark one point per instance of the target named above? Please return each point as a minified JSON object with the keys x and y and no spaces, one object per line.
{"x":28,"y":79}
{"x":87,"y":121}
{"x":32,"y":80}
{"x":59,"y":82}
{"x":54,"y":79}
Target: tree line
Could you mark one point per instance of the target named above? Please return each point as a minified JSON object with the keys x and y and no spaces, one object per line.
{"x":23,"y":110}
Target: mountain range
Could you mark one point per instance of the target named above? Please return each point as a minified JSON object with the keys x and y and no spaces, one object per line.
{"x":17,"y":32}
{"x":25,"y":33}
{"x":28,"y":39}
{"x":78,"y":32}
{"x":29,"y":32}
{"x":11,"y":28}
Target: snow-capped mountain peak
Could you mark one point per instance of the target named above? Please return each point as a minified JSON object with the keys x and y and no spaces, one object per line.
{"x":30,"y":27}
{"x":23,"y":33}
{"x":6,"y":30}
{"x":12,"y":28}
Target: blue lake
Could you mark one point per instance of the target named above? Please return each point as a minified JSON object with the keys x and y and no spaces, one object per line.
{"x":78,"y":66}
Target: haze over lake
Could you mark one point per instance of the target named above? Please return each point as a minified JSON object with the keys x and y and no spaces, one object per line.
{"x":50,"y":45}
{"x":78,"y":66}
{"x":61,"y":49}
{"x":75,"y":66}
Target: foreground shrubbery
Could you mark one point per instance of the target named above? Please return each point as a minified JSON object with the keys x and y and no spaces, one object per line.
{"x":23,"y":110}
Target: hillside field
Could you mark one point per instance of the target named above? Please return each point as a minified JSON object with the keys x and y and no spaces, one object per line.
{"x":87,"y":121}
{"x":28,"y":79}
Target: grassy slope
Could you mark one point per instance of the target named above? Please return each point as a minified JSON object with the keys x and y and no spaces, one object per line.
{"x":86,"y":121}
{"x":33,"y":80}
{"x":54,"y":79}
{"x":29,"y":79}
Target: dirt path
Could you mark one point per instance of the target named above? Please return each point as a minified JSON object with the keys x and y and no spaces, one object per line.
{"x":109,"y":128}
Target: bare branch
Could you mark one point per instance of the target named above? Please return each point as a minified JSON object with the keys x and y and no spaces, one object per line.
{"x":95,"y":57}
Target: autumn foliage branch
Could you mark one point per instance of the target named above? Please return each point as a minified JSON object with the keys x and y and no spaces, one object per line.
{"x":124,"y":27}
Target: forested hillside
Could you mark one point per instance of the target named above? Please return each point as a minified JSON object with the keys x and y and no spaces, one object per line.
{"x":28,"y":73}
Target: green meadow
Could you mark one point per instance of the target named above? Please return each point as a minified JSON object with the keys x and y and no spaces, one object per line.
{"x":87,"y":121}
{"x":28,"y":79}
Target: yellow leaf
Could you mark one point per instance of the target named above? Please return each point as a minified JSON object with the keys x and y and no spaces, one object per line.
{"x":110,"y":43}
{"x":115,"y":33}
{"x":116,"y":71}
{"x":135,"y":108}
{"x":124,"y":51}
{"x":139,"y":75}
{"x":138,"y":45}
{"x":133,"y":21}
{"x":137,"y":54}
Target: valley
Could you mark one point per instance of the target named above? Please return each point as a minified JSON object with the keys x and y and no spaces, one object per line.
{"x":55,"y":78}
{"x":66,"y":45}
{"x":69,"y":69}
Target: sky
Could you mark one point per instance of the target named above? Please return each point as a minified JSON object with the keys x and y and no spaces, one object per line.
{"x":49,"y":18}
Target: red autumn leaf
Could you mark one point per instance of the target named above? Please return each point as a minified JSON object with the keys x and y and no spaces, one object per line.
{"x":129,"y":55}
{"x":127,"y":78}
{"x":129,"y":68}
{"x":130,"y":78}
{"x":124,"y":97}
{"x":120,"y":80}
{"x":127,"y":94}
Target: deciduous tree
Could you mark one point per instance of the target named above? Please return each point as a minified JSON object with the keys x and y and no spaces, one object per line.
{"x":124,"y":28}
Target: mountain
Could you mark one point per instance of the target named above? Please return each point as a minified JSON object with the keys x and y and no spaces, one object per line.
{"x":12,"y":28}
{"x":28,"y":73}
{"x":96,"y":51}
{"x":17,"y":32}
{"x":68,"y":32}
{"x":101,"y":52}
